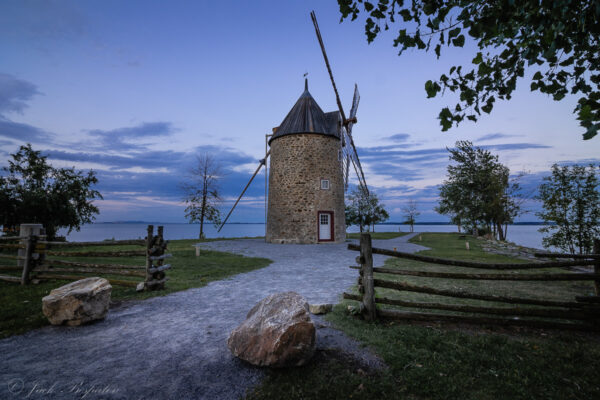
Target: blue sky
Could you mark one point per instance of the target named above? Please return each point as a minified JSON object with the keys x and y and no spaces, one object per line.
{"x":135,"y":90}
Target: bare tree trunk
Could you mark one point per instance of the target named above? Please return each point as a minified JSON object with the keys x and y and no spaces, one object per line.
{"x":201,"y":235}
{"x":202,"y":214}
{"x":501,"y":235}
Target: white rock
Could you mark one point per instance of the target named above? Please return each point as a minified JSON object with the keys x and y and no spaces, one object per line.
{"x":78,"y":302}
{"x":277,"y":332}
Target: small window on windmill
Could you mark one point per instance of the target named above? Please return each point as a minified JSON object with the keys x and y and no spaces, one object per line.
{"x":325,"y":184}
{"x":339,"y":155}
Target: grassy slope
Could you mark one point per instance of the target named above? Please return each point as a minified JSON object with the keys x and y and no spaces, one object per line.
{"x":21,"y":306}
{"x":438,"y":362}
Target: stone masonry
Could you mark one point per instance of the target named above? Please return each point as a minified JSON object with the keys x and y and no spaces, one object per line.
{"x":298,"y":163}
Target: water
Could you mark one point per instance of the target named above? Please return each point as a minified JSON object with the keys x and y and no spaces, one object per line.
{"x":94,"y":232}
{"x":524,"y":235}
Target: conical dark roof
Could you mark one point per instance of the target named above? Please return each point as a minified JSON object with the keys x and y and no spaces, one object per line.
{"x":307,"y":117}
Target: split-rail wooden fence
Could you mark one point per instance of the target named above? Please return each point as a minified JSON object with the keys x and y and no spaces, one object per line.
{"x":35,"y":265}
{"x":583,"y":313}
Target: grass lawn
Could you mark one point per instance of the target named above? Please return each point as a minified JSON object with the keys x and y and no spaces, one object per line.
{"x":22,"y":307}
{"x":378,"y":235}
{"x":441,"y":361}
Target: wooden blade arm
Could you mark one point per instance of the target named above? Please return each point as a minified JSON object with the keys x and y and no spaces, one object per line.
{"x":337,"y":96}
{"x":262,"y":162}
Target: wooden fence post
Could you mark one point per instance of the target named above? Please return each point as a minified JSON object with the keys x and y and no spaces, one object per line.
{"x":161,"y":241}
{"x":29,"y":232}
{"x":149,"y":242}
{"x":28,"y":261}
{"x":366,"y":255}
{"x":597,"y":265}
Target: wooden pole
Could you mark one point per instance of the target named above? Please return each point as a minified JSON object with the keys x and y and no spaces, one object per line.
{"x":9,"y":278}
{"x":261,"y":163}
{"x":28,"y":262}
{"x":514,"y":311}
{"x":149,"y":240}
{"x":471,"y":264}
{"x":159,"y":261}
{"x":121,"y":253}
{"x":125,"y":272}
{"x":136,"y":242}
{"x":468,"y":295}
{"x":493,"y":277}
{"x":370,"y":313}
{"x":401,"y":315}
{"x":597,"y":266}
{"x":90,"y":265}
{"x":78,"y":277}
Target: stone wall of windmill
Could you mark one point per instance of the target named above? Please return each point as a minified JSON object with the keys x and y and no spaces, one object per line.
{"x":298,"y":164}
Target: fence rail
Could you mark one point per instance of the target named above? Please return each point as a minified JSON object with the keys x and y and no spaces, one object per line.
{"x":34,"y":264}
{"x":478,"y":265}
{"x":583,"y":313}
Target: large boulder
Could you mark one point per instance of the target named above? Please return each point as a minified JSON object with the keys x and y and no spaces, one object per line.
{"x":277,"y":332}
{"x":78,"y":302}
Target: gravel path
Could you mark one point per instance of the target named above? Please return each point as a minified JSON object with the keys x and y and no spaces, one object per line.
{"x":175,"y":346}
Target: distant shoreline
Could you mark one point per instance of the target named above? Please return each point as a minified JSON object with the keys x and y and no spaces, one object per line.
{"x":262,"y":223}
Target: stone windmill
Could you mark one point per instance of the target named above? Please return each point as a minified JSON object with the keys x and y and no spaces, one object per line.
{"x":311,"y":152}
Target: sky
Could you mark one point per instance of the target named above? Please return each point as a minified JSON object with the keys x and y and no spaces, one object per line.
{"x":137,"y":90}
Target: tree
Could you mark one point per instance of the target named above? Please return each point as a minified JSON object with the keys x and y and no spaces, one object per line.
{"x":202,"y":193}
{"x":365,"y":210}
{"x":411,"y":213}
{"x":571,"y":201}
{"x":33,"y":191}
{"x":559,"y":39}
{"x":379,"y":214}
{"x":477,"y":192}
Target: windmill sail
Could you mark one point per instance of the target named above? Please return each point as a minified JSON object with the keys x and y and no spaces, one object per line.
{"x":348,"y":147}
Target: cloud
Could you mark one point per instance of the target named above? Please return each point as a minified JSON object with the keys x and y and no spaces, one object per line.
{"x":127,"y":138}
{"x":22,"y":132}
{"x":145,"y":129}
{"x":145,"y":158}
{"x":393,"y":151}
{"x":495,"y":136}
{"x":399,"y":137}
{"x":515,"y":146}
{"x":15,"y":93}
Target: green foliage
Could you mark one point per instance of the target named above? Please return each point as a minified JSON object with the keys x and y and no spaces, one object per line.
{"x":478,"y":190}
{"x":202,"y":193}
{"x":32,"y":191}
{"x":571,"y":201}
{"x":364,"y":209}
{"x":558,"y":38}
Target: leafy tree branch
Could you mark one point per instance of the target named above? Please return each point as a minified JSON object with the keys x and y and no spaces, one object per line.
{"x":561,"y":39}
